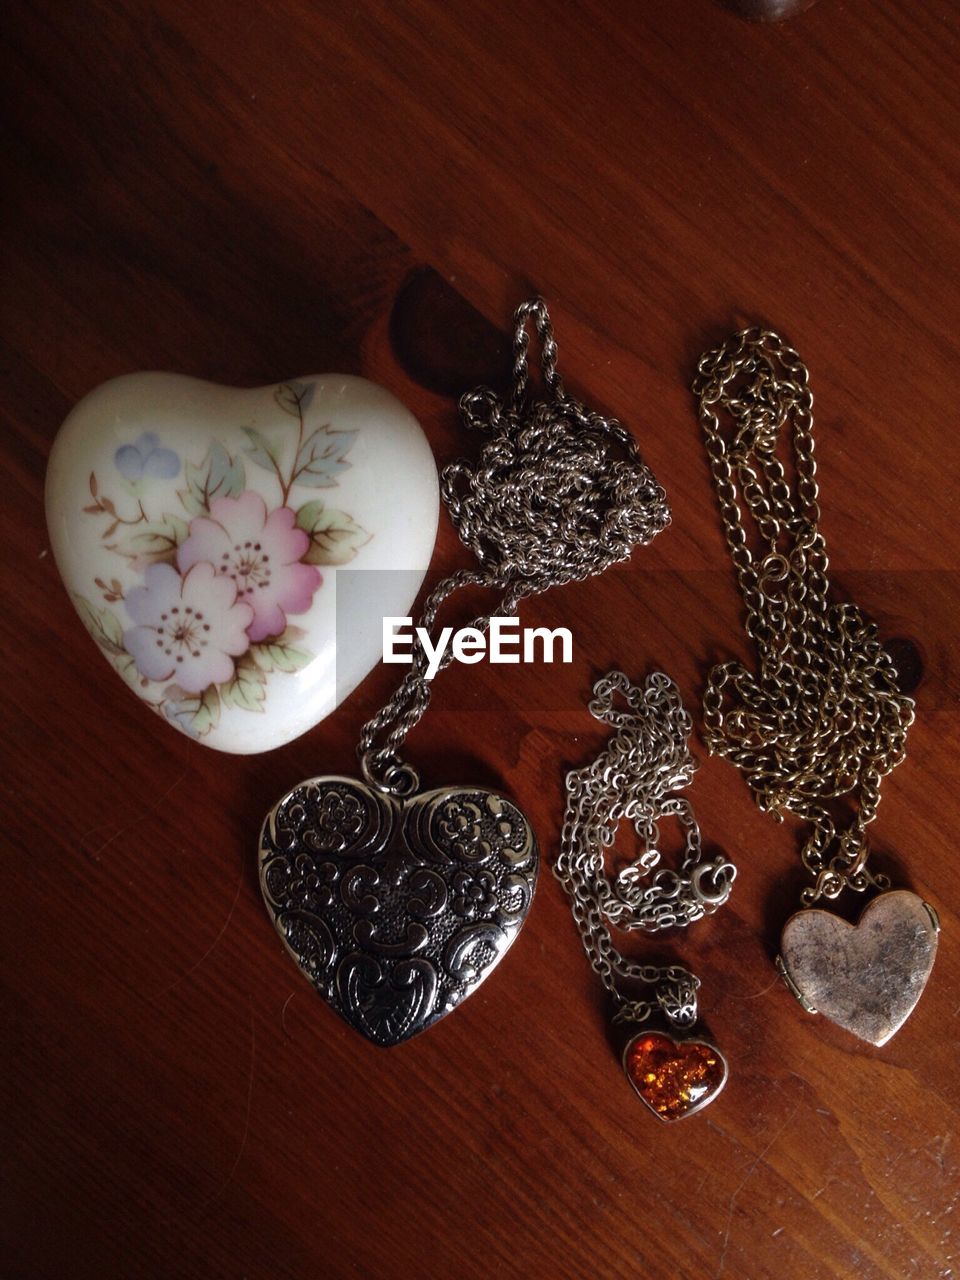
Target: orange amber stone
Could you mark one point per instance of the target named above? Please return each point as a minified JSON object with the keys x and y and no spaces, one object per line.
{"x":674,"y":1078}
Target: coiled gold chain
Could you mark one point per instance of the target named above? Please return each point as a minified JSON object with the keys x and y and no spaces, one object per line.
{"x":558,"y":493}
{"x":823,"y":717}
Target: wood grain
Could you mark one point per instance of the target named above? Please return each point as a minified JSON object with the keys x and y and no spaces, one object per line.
{"x":245,"y":192}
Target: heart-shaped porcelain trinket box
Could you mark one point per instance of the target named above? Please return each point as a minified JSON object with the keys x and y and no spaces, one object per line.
{"x":233,"y":552}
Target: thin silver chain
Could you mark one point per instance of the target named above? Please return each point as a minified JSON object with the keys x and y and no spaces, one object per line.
{"x":636,"y":777}
{"x":557,"y":495}
{"x":823,"y":716}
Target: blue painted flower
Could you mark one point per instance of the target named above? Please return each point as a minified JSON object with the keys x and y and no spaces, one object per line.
{"x":146,"y":457}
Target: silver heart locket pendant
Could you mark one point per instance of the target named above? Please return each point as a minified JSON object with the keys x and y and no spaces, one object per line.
{"x":396,"y":908}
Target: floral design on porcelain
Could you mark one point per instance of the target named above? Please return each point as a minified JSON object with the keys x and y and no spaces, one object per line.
{"x":220,"y":577}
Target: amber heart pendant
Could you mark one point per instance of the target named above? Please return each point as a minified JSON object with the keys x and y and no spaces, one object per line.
{"x":396,"y":909}
{"x":867,"y":977}
{"x":674,"y":1078}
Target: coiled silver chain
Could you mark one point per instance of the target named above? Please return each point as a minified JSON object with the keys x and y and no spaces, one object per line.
{"x":636,"y":777}
{"x":557,"y":495}
{"x":823,"y":716}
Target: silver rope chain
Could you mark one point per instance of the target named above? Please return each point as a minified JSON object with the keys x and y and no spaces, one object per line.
{"x":823,"y":717}
{"x":645,"y":762}
{"x":557,"y":495}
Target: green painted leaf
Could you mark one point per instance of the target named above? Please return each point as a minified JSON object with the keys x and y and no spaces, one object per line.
{"x":107,"y":629}
{"x":322,"y":457}
{"x":126,"y":668}
{"x":295,"y":397}
{"x":280,"y":654}
{"x":104,"y":625}
{"x":335,"y":537}
{"x":218,"y":476}
{"x":195,"y":713}
{"x":153,"y":542}
{"x":203,"y":710}
{"x":246,"y":689}
{"x":260,"y":450}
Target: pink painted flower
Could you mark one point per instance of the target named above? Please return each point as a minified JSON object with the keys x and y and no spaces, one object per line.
{"x":190,"y":628}
{"x":259,"y":555}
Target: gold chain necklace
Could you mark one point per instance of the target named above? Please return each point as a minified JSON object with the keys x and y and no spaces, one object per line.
{"x":822,"y":720}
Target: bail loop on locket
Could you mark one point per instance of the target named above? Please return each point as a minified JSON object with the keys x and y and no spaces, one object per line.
{"x":387,"y":773}
{"x":677,"y":997}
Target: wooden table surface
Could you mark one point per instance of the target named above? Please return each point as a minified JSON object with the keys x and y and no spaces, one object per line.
{"x":246,"y":192}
